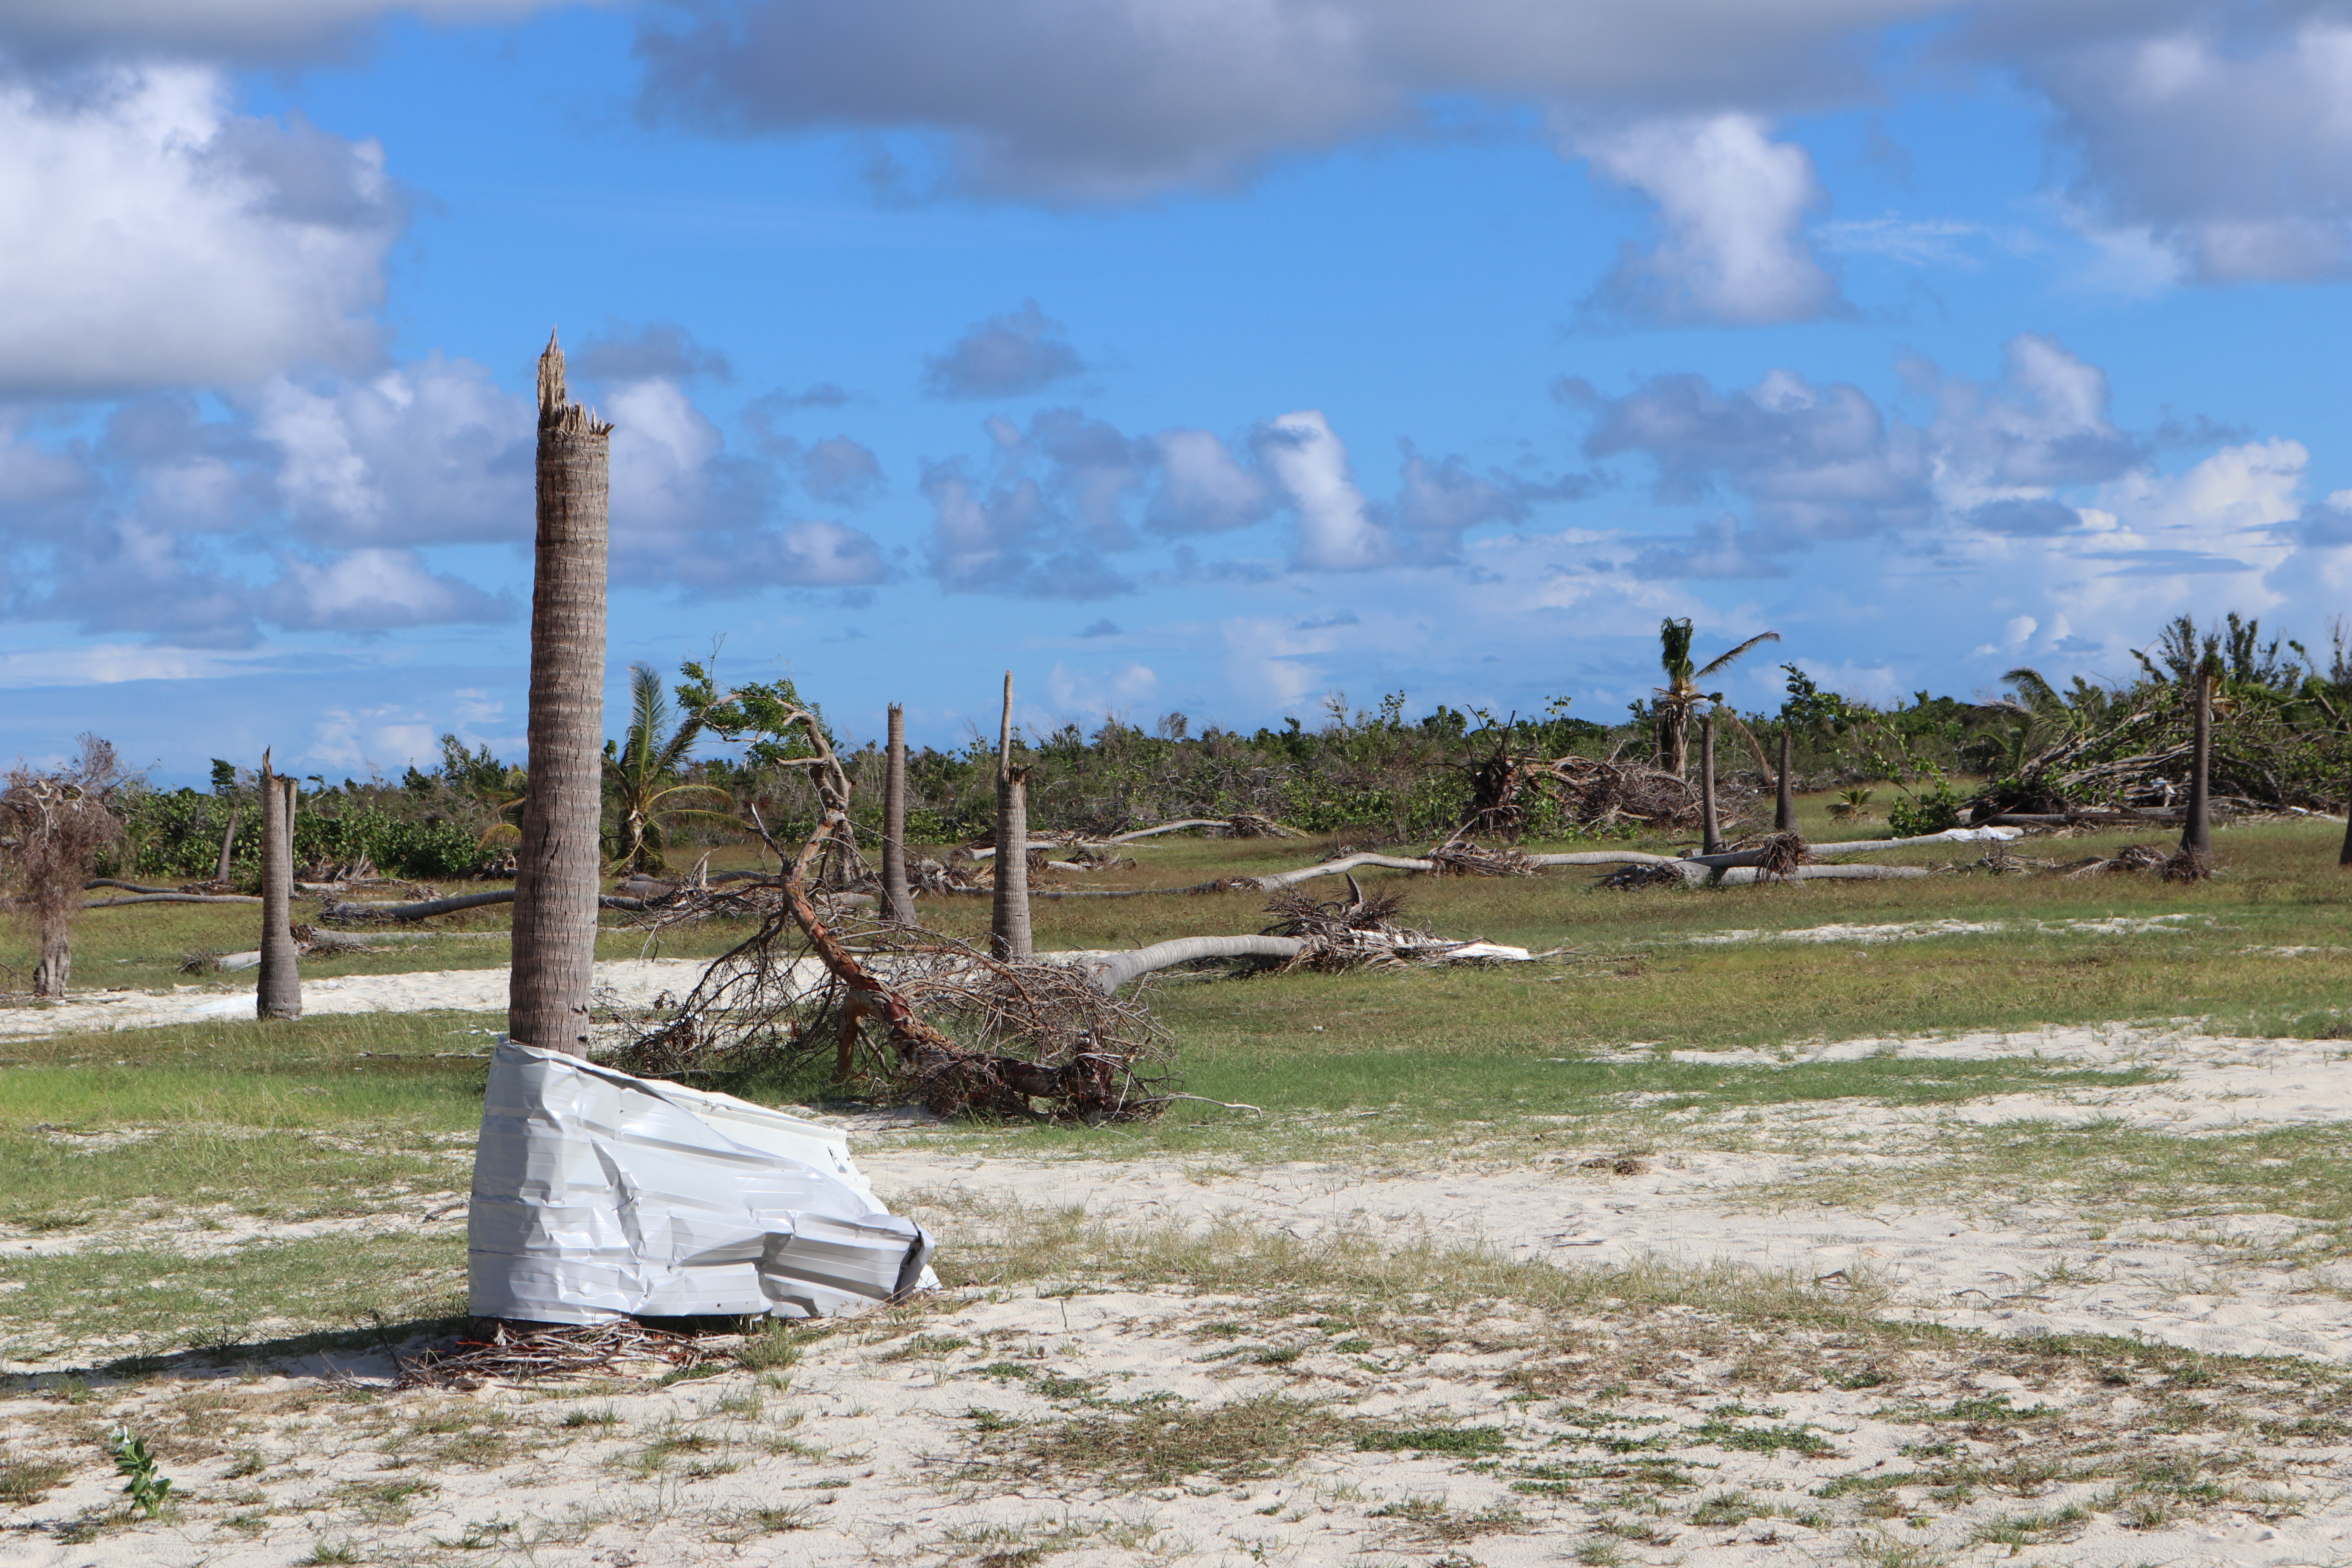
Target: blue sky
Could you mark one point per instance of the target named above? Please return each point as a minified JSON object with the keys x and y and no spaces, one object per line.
{"x":1177,"y":357}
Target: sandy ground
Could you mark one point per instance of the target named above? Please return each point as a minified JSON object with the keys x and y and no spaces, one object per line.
{"x":930,"y":1435}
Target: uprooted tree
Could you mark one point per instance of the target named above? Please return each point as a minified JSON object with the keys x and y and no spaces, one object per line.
{"x":54,"y":825}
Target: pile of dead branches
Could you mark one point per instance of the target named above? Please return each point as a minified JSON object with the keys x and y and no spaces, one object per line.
{"x":905,"y":1014}
{"x":1464,"y":859}
{"x":2132,"y":860}
{"x":1596,"y":793}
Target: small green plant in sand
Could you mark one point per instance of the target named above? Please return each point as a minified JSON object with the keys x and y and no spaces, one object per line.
{"x":147,"y":1488}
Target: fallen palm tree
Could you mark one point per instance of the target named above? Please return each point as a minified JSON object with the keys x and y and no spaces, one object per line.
{"x":1356,"y":932}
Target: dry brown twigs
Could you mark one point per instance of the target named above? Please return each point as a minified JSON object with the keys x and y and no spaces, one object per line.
{"x":1037,"y":1039}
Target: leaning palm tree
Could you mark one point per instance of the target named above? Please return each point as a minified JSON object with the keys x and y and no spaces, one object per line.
{"x":1681,"y":694}
{"x":641,"y":776}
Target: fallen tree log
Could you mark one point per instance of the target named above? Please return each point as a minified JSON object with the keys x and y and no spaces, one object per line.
{"x":432,"y":907}
{"x":1740,"y":876}
{"x":95,"y":883}
{"x":172,"y":898}
{"x":1108,"y":975}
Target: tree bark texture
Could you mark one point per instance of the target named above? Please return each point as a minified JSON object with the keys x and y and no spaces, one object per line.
{"x":1673,"y":738}
{"x":557,"y":864}
{"x":54,"y":971}
{"x":897,"y":898}
{"x":2197,"y":836}
{"x":280,"y":994}
{"x":1710,"y":827}
{"x":1008,"y":918}
{"x":1784,"y":806}
{"x":228,"y":848}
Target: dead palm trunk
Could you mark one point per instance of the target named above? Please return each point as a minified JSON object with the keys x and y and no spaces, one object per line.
{"x":279,"y":995}
{"x":1008,"y":920}
{"x":1710,"y":829}
{"x":2197,"y":836}
{"x":898,"y":900}
{"x":557,"y":863}
{"x":1784,"y":805}
{"x":2344,"y":858}
{"x":228,"y":848}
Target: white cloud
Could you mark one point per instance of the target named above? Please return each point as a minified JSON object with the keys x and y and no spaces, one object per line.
{"x":1336,"y":531}
{"x":1203,"y":488}
{"x":2231,"y":152}
{"x":1732,"y":203}
{"x":432,"y":452}
{"x":376,"y":590}
{"x":1117,"y":99}
{"x":154,"y":239}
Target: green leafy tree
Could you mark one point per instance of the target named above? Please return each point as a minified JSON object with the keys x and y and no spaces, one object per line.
{"x":645,"y":778}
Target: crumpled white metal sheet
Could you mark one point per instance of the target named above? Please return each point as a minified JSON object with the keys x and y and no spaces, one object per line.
{"x":599,"y":1194}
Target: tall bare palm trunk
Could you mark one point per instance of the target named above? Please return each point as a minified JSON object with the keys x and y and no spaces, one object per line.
{"x":898,"y":899}
{"x":1710,"y":827}
{"x":2196,"y":835}
{"x":1784,"y":805}
{"x":1008,"y":921}
{"x":556,"y":865}
{"x":279,"y":995}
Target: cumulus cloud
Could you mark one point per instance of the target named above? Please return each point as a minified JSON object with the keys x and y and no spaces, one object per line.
{"x":1731,"y":202}
{"x":686,"y":512}
{"x":1012,"y":356}
{"x":433,"y":452}
{"x":1715,"y":553}
{"x":376,"y":590}
{"x":1204,"y":488}
{"x":1006,"y":537}
{"x":1819,"y":462}
{"x":155,"y":239}
{"x":658,"y":348}
{"x":839,"y":470}
{"x":1336,"y":529}
{"x":1117,"y":99}
{"x":2232,"y":151}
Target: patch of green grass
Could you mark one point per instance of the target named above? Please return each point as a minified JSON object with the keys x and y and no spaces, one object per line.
{"x":1433,"y":1440}
{"x":156,"y":1300}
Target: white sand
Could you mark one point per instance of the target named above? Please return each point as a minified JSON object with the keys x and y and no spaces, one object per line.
{"x":882,"y":1438}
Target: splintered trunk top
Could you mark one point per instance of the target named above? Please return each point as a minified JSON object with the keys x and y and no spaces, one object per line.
{"x":556,"y":867}
{"x":279,"y":995}
{"x":1008,"y":920}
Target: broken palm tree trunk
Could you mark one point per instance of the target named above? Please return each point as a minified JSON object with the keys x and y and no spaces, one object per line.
{"x":228,"y":849}
{"x":1784,"y":804}
{"x":279,"y":993}
{"x":1354,"y":932}
{"x":897,"y":898}
{"x":1710,"y":828}
{"x":2344,"y":857}
{"x":2196,"y":834}
{"x":556,"y":865}
{"x":1008,"y":918}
